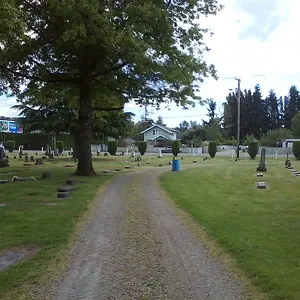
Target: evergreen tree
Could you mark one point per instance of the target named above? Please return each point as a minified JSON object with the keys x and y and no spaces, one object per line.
{"x":273,"y":117}
{"x":291,"y":106}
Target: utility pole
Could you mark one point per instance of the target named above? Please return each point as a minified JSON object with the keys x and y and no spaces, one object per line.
{"x":238,"y":117}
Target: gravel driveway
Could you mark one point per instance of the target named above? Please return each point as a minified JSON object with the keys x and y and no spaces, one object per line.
{"x":135,"y":247}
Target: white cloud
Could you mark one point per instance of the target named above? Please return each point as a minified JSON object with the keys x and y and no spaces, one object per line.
{"x":5,"y":107}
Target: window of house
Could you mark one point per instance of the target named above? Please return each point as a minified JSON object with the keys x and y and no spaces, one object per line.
{"x":153,"y":132}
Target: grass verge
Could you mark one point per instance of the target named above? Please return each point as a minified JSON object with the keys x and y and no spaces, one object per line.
{"x":34,"y":218}
{"x":258,"y":228}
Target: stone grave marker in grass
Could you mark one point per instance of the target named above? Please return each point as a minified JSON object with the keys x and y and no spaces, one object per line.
{"x":261,"y":185}
{"x":32,"y":159}
{"x":39,"y":162}
{"x":10,"y":258}
{"x":262,"y":164}
{"x":260,"y":175}
{"x":3,"y":204}
{"x":26,"y":159}
{"x":27,"y":164}
{"x":4,"y":181}
{"x":46,"y":175}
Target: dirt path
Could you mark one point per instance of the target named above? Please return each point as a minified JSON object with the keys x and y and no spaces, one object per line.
{"x":135,"y":247}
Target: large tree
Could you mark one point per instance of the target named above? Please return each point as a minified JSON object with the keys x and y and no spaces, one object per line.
{"x":97,"y":51}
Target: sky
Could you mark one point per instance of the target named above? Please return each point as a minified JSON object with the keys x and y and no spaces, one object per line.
{"x":254,"y":40}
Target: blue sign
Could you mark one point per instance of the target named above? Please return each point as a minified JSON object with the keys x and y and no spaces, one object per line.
{"x":10,"y":127}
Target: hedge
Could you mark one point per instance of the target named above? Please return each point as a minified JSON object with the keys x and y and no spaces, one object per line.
{"x":176,"y":147}
{"x":296,"y":149}
{"x":142,"y":146}
{"x":112,"y":147}
{"x":253,"y":149}
{"x":212,"y":149}
{"x":34,"y":141}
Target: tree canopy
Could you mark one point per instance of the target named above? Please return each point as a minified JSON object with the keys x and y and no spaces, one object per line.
{"x":101,"y":54}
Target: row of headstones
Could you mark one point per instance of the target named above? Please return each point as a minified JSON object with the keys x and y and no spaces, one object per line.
{"x":288,"y":165}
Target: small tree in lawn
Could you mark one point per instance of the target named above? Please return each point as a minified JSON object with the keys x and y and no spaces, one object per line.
{"x":296,"y":149}
{"x":11,"y":145}
{"x":176,"y":147}
{"x":212,"y":149}
{"x":142,"y":146}
{"x":112,"y":147}
{"x":253,"y":149}
{"x":60,"y":146}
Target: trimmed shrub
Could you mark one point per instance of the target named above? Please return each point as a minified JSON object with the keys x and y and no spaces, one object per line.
{"x":142,"y":146}
{"x":176,"y":147}
{"x":212,"y":149}
{"x":11,"y":146}
{"x":253,"y":149}
{"x":60,"y":146}
{"x":296,"y":149}
{"x":112,"y":147}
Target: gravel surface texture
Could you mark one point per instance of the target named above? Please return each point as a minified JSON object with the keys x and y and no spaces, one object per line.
{"x":135,"y":247}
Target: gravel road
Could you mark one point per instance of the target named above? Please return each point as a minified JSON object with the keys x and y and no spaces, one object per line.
{"x":135,"y":247}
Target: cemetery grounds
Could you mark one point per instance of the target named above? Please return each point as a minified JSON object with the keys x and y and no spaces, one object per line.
{"x":257,"y":230}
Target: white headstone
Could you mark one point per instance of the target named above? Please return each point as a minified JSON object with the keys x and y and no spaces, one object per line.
{"x":132,"y":153}
{"x":159,"y":153}
{"x":276,"y":155}
{"x":232,"y":154}
{"x":127,"y":151}
{"x":42,"y":149}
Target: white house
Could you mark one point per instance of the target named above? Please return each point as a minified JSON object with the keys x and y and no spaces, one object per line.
{"x":159,"y":133}
{"x":288,"y":142}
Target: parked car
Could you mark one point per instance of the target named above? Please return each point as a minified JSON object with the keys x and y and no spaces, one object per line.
{"x":168,"y":150}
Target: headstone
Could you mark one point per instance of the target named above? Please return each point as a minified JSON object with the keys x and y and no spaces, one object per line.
{"x":31,"y":158}
{"x":10,"y":258}
{"x":68,"y":188}
{"x":46,"y":175}
{"x":16,"y":178}
{"x":27,"y":165}
{"x":26,"y":158}
{"x":260,"y":175}
{"x":159,"y":153}
{"x":4,"y":181}
{"x":105,"y":154}
{"x":51,"y":156}
{"x":262,"y":164}
{"x":132,"y":153}
{"x":63,"y":195}
{"x":3,"y":204}
{"x":194,"y":161}
{"x":261,"y":185}
{"x":39,"y":162}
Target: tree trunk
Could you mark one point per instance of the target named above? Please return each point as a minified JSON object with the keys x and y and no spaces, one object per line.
{"x":84,"y":132}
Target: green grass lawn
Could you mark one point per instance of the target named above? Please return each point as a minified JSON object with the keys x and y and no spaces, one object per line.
{"x":29,"y":222}
{"x":260,"y":229}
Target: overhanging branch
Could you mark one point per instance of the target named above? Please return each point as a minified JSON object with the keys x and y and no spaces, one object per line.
{"x":113,"y":69}
{"x":107,"y":108}
{"x":55,"y":78}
